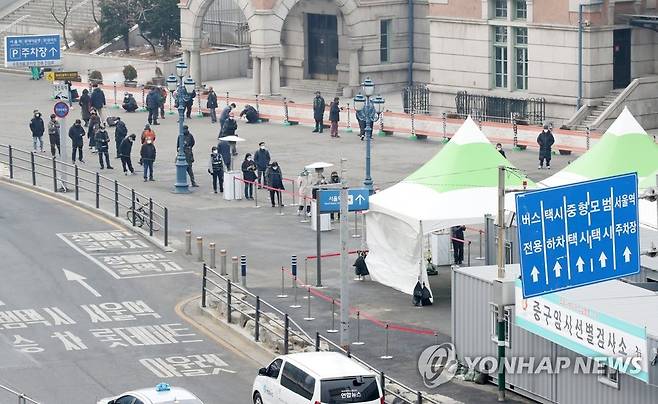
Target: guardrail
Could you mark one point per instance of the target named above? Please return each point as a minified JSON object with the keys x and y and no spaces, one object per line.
{"x":87,"y":186}
{"x":220,"y":286}
{"x":22,"y":398}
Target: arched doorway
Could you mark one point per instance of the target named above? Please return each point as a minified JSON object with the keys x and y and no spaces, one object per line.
{"x":225,"y":25}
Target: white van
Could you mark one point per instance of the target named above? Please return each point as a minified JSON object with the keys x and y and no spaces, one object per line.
{"x":316,"y":378}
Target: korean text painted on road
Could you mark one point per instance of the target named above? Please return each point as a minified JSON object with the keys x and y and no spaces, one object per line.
{"x":578,"y":234}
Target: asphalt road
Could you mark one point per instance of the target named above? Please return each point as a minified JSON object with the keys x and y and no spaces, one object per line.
{"x":57,"y":336}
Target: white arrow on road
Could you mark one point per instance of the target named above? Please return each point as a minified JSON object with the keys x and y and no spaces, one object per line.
{"x":72,"y":276}
{"x":627,"y":255}
{"x":557,"y":268}
{"x":580,"y":264}
{"x":603,"y":259}
{"x":535,"y":274}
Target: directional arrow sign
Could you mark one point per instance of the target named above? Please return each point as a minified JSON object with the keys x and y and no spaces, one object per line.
{"x":72,"y":276}
{"x":579,"y":225}
{"x":357,"y":200}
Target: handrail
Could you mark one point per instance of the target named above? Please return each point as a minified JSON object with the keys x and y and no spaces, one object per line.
{"x":616,"y":103}
{"x":20,"y":396}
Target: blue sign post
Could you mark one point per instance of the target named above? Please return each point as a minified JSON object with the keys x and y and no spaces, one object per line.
{"x":578,"y":234}
{"x":32,"y":50}
{"x":357,"y":200}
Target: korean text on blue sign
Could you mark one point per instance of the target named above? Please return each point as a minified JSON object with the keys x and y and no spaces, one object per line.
{"x":32,"y":50}
{"x":357,"y":200}
{"x":578,"y":234}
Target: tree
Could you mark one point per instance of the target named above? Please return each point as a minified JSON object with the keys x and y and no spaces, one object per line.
{"x":118,"y":17}
{"x":161,"y":23}
{"x":61,"y":15}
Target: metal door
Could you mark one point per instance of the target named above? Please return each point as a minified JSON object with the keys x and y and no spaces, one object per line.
{"x":322,"y":46}
{"x":621,"y":58}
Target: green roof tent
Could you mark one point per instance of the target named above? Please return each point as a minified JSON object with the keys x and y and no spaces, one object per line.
{"x":457,"y":186}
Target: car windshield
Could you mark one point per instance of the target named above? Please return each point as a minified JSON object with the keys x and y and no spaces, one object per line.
{"x":358,"y":389}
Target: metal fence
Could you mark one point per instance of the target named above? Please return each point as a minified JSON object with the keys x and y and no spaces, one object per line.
{"x":220,"y":286}
{"x":499,"y":109}
{"x":416,"y":99}
{"x":87,"y":186}
{"x":225,"y":24}
{"x":22,"y":398}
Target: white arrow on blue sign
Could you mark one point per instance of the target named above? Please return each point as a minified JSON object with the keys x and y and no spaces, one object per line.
{"x":357,"y":200}
{"x":578,"y":234}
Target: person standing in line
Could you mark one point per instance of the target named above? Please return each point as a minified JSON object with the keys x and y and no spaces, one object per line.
{"x":125,"y":150}
{"x":224,"y":115}
{"x":189,"y":103}
{"x":103,"y":146}
{"x":98,"y":100}
{"x":120,"y":132}
{"x":225,"y":150}
{"x":304,"y":186}
{"x":334,"y":179}
{"x":545,"y":141}
{"x":77,"y":134}
{"x":94,"y":124}
{"x":188,"y":145}
{"x":85,"y":106}
{"x":262,"y":160}
{"x":163,"y":100}
{"x":249,"y":176}
{"x":147,"y":158}
{"x":53,"y":135}
{"x":228,"y":129}
{"x":212,"y":105}
{"x":274,"y":180}
{"x":458,"y":243}
{"x":216,"y":169}
{"x":334,"y":117}
{"x":318,"y":112}
{"x":37,"y":128}
{"x":499,"y":148}
{"x":147,"y":133}
{"x":153,"y":105}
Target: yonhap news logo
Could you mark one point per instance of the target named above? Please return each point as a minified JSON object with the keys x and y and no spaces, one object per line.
{"x":437,"y":364}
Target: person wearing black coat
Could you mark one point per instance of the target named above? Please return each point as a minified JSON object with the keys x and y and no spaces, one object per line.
{"x":37,"y":128}
{"x":545,"y":141}
{"x":53,"y":135}
{"x":499,"y":148}
{"x":98,"y":100}
{"x":85,"y":106}
{"x":129,"y":103}
{"x":188,"y":145}
{"x":250,"y":113}
{"x":318,"y":112}
{"x":188,"y":105}
{"x":224,"y":149}
{"x":153,"y":105}
{"x":223,"y":116}
{"x":147,"y":158}
{"x":262,"y":160}
{"x":334,"y":117}
{"x":103,"y":145}
{"x":77,"y":134}
{"x":120,"y":132}
{"x":360,"y":267}
{"x":125,"y":150}
{"x":248,"y":174}
{"x":229,"y":127}
{"x":458,"y":243}
{"x":94,"y":124}
{"x":274,"y":180}
{"x":212,"y":105}
{"x":216,"y":169}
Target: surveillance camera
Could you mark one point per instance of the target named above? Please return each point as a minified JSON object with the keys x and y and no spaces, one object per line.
{"x":587,"y":23}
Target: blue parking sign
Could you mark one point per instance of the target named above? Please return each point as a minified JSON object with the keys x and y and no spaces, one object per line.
{"x":32,"y":50}
{"x":578,"y":234}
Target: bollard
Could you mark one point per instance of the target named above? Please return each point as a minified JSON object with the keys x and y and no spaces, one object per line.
{"x":199,"y":249}
{"x":386,"y":353}
{"x":308,"y":313}
{"x":255,"y":185}
{"x":333,"y":329}
{"x":257,"y":107}
{"x":171,"y":101}
{"x":285,"y":112}
{"x":306,"y":271}
{"x":227,"y":99}
{"x":257,"y":320}
{"x":243,"y":270}
{"x":413,"y":123}
{"x":54,"y":165}
{"x":11,"y":163}
{"x":77,"y":183}
{"x":228,"y":301}
{"x":515,"y":128}
{"x":115,"y":95}
{"x":211,"y":253}
{"x":358,"y":330}
{"x":381,"y":124}
{"x":468,"y":251}
{"x":282,"y":295}
{"x":293,"y":267}
{"x":587,"y":133}
{"x":222,"y":262}
{"x":349,"y":119}
{"x":188,"y":242}
{"x":356,"y":225}
{"x":480,"y":257}
{"x":420,"y":398}
{"x":382,"y":382}
{"x":317,"y":341}
{"x":444,"y":122}
{"x":286,"y":331}
{"x":203,"y":285}
{"x":234,"y":269}
{"x":436,"y":336}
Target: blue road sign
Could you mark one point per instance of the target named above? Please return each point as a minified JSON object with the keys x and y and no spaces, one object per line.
{"x":32,"y":50}
{"x":61,"y":109}
{"x":357,"y":200}
{"x":578,"y":234}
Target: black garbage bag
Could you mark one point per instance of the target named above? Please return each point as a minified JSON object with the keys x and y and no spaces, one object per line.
{"x":417,"y":298}
{"x":426,"y":296}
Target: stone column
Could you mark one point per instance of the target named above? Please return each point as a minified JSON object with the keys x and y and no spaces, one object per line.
{"x":195,"y":66}
{"x":354,"y":76}
{"x":186,"y":57}
{"x":255,"y":68}
{"x":265,"y":76}
{"x":276,"y":76}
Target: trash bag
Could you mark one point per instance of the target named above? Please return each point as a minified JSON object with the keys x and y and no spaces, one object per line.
{"x":417,"y":297}
{"x":360,"y":267}
{"x":426,"y":296}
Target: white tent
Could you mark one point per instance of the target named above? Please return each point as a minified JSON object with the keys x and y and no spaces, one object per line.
{"x":457,"y":186}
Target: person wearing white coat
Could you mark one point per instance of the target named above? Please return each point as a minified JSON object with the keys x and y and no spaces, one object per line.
{"x":305,"y":190}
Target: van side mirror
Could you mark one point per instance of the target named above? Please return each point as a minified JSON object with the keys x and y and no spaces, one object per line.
{"x":262,"y":372}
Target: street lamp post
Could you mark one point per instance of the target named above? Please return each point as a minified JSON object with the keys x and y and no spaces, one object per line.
{"x":183,"y":88}
{"x":368,"y":109}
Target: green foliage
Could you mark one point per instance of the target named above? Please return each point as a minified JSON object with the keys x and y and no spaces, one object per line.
{"x":96,"y":75}
{"x":161,"y":21}
{"x":129,"y":73}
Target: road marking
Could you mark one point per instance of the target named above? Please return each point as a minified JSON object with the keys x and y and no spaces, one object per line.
{"x":72,"y":276}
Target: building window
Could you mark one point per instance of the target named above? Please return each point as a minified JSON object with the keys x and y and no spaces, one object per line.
{"x":501,"y":9}
{"x":385,"y":40}
{"x":520,"y":10}
{"x":521,"y":57}
{"x":494,"y":324}
{"x":608,"y":376}
{"x":500,"y":57}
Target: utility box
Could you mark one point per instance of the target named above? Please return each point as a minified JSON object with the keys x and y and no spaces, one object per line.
{"x":233,"y":185}
{"x":440,"y":247}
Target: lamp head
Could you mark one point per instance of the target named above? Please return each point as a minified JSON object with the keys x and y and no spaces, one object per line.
{"x":359,"y":102}
{"x":189,"y":84}
{"x":379,"y":104}
{"x":172,"y":82}
{"x":368,"y":87}
{"x":181,"y":69}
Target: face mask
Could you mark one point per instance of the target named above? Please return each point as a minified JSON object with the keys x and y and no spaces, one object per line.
{"x":248,"y":158}
{"x":214,"y":151}
{"x":262,"y":147}
{"x":499,"y":148}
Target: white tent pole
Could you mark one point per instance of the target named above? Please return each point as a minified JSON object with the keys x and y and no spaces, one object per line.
{"x":422,"y":236}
